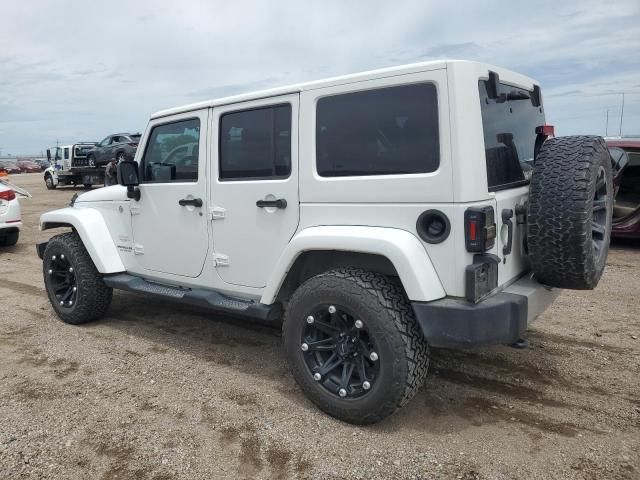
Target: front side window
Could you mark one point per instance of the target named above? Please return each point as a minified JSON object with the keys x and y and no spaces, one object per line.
{"x":391,"y":130}
{"x":105,"y":142}
{"x":172,"y":152}
{"x":66,"y":153}
{"x":256,"y":144}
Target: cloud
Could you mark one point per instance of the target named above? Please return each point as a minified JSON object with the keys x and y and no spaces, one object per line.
{"x":113,"y":64}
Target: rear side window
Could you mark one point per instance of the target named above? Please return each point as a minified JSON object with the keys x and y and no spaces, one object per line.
{"x":66,"y":153}
{"x":509,"y":123}
{"x":385,"y":131}
{"x":256,"y":144}
{"x":172,"y":152}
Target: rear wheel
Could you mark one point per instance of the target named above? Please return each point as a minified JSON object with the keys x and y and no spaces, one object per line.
{"x":74,"y":286}
{"x":353,"y":344}
{"x":569,"y":212}
{"x":9,"y":239}
{"x":121,"y":157}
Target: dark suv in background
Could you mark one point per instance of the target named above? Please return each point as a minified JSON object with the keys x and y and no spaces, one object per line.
{"x":120,"y":146}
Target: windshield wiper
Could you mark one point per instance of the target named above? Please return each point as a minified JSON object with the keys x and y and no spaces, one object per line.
{"x":513,"y":95}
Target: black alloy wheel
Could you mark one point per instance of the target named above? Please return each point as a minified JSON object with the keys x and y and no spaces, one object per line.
{"x":339,"y":352}
{"x":62,"y":279}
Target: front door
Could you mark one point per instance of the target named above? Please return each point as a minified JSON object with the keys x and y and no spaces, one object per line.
{"x":170,"y":222}
{"x":255,"y":207}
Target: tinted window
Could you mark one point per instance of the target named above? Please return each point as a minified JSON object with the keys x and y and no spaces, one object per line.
{"x":378,"y":132}
{"x":256,"y":143}
{"x":105,"y":142}
{"x":66,"y":153}
{"x":509,"y":124}
{"x":172,"y":152}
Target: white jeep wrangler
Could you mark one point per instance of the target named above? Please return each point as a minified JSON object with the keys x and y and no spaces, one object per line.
{"x":378,"y":214}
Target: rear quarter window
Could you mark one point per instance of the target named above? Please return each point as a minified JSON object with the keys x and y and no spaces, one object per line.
{"x":384,"y":131}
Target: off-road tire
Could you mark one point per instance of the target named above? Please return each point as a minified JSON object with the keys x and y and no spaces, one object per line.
{"x":93,"y":296}
{"x":383,"y":306}
{"x":48,"y":181}
{"x":560,"y":212}
{"x":10,"y":239}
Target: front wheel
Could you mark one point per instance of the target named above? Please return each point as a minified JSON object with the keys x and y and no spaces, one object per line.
{"x":353,"y":344}
{"x":74,"y":286}
{"x":48,"y":181}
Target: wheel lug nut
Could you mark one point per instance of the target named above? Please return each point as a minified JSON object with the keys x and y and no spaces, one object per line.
{"x":71,"y":269}
{"x":332,"y":309}
{"x":366,"y":385}
{"x":61,"y":303}
{"x":70,"y":303}
{"x":304,"y":347}
{"x":62,"y":256}
{"x":317,"y":377}
{"x":373,"y":356}
{"x":342,"y":392}
{"x":359,"y":324}
{"x":310,"y":319}
{"x":75,"y":288}
{"x":50,"y":271}
{"x":53,"y":258}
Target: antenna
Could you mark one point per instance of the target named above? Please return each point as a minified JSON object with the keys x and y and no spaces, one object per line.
{"x":621,"y":115}
{"x":606,"y":129}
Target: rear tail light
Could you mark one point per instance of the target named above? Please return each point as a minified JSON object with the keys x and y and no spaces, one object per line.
{"x":7,"y":195}
{"x":546,"y":130}
{"x":479,"y":229}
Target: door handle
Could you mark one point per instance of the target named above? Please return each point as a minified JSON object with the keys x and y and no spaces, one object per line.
{"x":507,"y":213}
{"x":279,"y":203}
{"x":196,"y":202}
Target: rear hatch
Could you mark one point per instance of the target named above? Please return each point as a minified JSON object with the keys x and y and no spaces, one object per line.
{"x":510,"y":116}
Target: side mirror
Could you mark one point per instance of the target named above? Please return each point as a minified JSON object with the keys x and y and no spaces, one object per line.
{"x":49,"y":155}
{"x":128,"y":177}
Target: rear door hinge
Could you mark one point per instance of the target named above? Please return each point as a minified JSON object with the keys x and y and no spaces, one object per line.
{"x":138,"y":249}
{"x":217,"y":213}
{"x":220,"y":259}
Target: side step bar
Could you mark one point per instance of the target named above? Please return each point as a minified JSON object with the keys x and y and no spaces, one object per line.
{"x":196,"y":296}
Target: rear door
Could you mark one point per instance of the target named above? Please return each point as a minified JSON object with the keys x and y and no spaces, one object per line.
{"x":509,"y":122}
{"x":255,"y":206}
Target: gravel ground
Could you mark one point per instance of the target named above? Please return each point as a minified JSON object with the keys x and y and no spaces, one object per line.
{"x":161,"y":391}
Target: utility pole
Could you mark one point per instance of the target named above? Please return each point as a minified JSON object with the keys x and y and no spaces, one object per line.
{"x":621,"y":115}
{"x":606,"y":128}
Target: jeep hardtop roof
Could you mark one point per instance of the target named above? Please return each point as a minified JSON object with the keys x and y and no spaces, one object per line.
{"x":505,"y":75}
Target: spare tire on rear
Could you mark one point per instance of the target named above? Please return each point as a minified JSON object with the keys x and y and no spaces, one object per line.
{"x":569,"y":212}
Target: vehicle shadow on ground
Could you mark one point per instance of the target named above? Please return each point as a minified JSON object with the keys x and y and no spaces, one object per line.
{"x":465,"y":389}
{"x":625,"y":244}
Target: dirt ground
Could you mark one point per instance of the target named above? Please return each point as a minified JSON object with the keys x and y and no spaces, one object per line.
{"x":161,"y":391}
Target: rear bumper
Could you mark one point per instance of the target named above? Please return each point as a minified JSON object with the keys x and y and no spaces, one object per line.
{"x":499,"y":319}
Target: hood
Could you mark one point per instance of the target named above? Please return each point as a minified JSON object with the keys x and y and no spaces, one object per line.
{"x":115,"y":193}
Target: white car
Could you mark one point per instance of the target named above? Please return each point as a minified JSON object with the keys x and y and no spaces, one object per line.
{"x":375,"y":215}
{"x":10,"y":216}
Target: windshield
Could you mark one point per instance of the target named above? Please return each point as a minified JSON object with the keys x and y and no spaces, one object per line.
{"x":509,"y":123}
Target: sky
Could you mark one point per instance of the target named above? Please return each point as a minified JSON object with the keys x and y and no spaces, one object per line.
{"x":74,"y":70}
